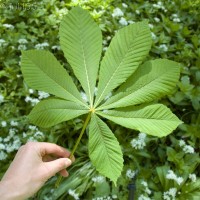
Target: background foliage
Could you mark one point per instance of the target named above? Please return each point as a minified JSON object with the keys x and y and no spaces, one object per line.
{"x":176,"y":36}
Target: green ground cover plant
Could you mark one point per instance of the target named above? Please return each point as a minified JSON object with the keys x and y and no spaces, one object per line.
{"x":167,"y":167}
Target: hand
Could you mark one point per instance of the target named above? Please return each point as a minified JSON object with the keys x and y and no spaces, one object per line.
{"x":32,"y":166}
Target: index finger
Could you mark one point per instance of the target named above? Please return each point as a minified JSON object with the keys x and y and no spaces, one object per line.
{"x":51,"y":148}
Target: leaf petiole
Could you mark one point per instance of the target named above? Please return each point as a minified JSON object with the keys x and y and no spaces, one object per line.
{"x":76,"y":145}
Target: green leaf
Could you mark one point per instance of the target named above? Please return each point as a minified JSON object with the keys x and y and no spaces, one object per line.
{"x":154,"y":119}
{"x":42,"y":71}
{"x":81,"y":41}
{"x":151,"y":81}
{"x":126,"y":51}
{"x":104,"y":150}
{"x":50,"y":112}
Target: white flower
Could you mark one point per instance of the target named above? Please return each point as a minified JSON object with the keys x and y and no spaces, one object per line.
{"x":140,"y":142}
{"x":22,"y":47}
{"x":24,"y":134}
{"x":39,"y":134}
{"x":170,"y":194}
{"x":181,"y":143}
{"x":42,"y":95}
{"x":31,"y":91}
{"x":33,"y":128}
{"x":32,"y":139}
{"x":172,"y":176}
{"x":153,"y":36}
{"x":176,"y":20}
{"x":3,"y":123}
{"x":117,"y":12}
{"x":150,"y":26}
{"x":130,"y":173}
{"x":3,"y":155}
{"x":193,"y":177}
{"x":163,"y":47}
{"x":114,"y":196}
{"x":131,"y":22}
{"x":2,"y":41}
{"x":142,"y":197}
{"x":137,"y":12}
{"x":55,"y":47}
{"x":22,"y":41}
{"x":13,"y":123}
{"x":124,"y":5}
{"x":9,"y":26}
{"x":42,"y":45}
{"x":188,"y":149}
{"x":123,"y":21}
{"x":1,"y":98}
{"x":33,"y":101}
{"x":2,"y":146}
{"x":156,"y":19}
{"x":98,"y":179}
{"x":73,"y":194}
{"x":84,"y":96}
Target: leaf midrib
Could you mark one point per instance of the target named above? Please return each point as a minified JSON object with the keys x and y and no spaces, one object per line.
{"x":131,"y":91}
{"x":96,"y":104}
{"x":57,"y":83}
{"x":103,"y":142}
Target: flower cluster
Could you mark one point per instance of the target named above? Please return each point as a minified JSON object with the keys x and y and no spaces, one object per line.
{"x":22,"y":44}
{"x":140,"y":142}
{"x":9,"y":26}
{"x":172,"y":176}
{"x":41,"y":45}
{"x":170,"y":194}
{"x":163,"y":47}
{"x":119,"y":14}
{"x":130,"y":173}
{"x":73,"y":194}
{"x":142,"y":197}
{"x":175,"y":18}
{"x":193,"y":177}
{"x":2,"y":42}
{"x":33,"y":100}
{"x":98,"y":179}
{"x":146,"y":188}
{"x":186,"y":148}
{"x":159,"y":5}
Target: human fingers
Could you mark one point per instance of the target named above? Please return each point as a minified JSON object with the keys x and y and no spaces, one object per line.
{"x":50,"y":148}
{"x":64,"y":173}
{"x":57,"y":165}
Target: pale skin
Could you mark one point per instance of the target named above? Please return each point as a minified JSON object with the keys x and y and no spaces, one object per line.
{"x":33,"y":165}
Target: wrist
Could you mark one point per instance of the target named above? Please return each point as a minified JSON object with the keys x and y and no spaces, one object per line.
{"x":10,"y":191}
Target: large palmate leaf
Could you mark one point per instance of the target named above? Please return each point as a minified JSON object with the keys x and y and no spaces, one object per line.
{"x":154,"y":119}
{"x":81,"y":41}
{"x":50,"y":112}
{"x":126,"y":51}
{"x":151,"y":81}
{"x":104,"y":150}
{"x":43,"y":72}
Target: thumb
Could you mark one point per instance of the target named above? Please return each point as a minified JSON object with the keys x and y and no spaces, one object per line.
{"x":57,"y":165}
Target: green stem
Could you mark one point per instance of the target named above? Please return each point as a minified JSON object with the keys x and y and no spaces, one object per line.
{"x":76,"y":145}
